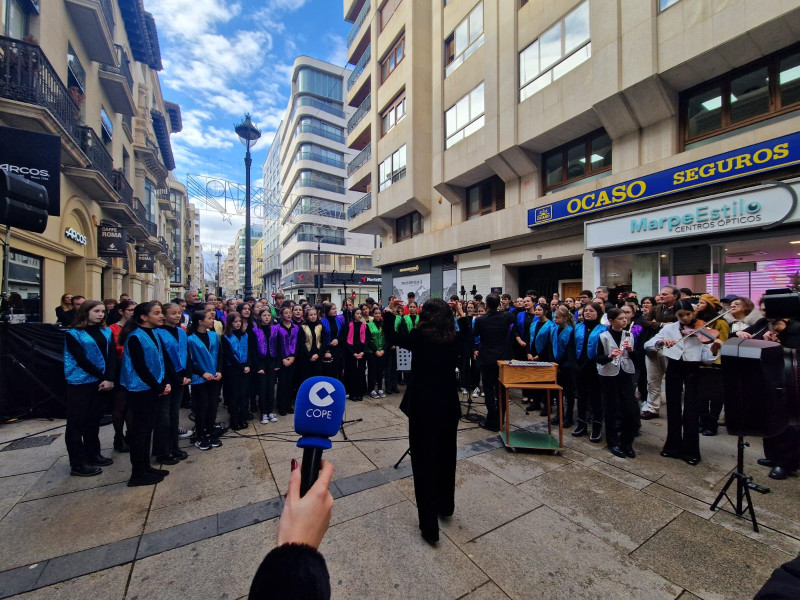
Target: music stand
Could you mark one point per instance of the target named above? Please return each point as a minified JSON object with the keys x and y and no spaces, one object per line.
{"x":743,"y":486}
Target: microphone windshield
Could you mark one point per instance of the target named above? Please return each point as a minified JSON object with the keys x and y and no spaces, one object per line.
{"x":318,"y":411}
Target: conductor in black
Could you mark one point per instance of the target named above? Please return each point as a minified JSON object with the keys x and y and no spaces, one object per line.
{"x":492,"y":333}
{"x":432,"y":405}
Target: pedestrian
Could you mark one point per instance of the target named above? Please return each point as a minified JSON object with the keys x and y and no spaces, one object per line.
{"x":119,"y":413}
{"x":205,"y":358}
{"x":583,"y":355}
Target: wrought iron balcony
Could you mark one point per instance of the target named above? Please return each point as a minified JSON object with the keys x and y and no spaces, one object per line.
{"x":359,"y":68}
{"x":359,"y":160}
{"x":123,"y":188}
{"x":150,"y":227}
{"x":359,"y":206}
{"x":27,"y":76}
{"x":100,"y":159}
{"x":164,"y":245}
{"x":362,"y":110}
{"x":358,"y":23}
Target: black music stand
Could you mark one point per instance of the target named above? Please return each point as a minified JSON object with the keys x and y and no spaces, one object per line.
{"x":743,"y":486}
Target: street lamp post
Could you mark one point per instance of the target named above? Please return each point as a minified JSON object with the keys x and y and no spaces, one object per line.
{"x":248,"y":135}
{"x":219,"y":256}
{"x":319,"y":237}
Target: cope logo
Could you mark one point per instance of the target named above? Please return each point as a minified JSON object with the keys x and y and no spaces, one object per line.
{"x":315,"y":396}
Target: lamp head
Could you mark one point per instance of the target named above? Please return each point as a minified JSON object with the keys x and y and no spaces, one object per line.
{"x":247,"y":132}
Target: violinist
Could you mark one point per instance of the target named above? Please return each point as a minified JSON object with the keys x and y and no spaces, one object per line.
{"x":708,"y":310}
{"x":684,"y":349}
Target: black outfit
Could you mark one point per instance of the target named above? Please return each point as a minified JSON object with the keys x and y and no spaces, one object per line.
{"x":312,"y":332}
{"x":618,"y":396}
{"x":85,"y":402}
{"x":494,"y":330}
{"x":266,"y":380}
{"x":66,"y":318}
{"x":433,"y":409}
{"x":252,"y":377}
{"x":681,"y":387}
{"x":165,"y":433}
{"x":236,"y":383}
{"x":355,"y":368}
{"x":292,"y":571}
{"x":334,"y":367}
{"x":286,"y":374}
{"x":205,"y":396}
{"x":587,"y":380}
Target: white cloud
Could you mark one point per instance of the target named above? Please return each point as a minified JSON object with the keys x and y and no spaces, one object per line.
{"x":287,"y":5}
{"x":189,"y":18}
{"x":337,"y":49}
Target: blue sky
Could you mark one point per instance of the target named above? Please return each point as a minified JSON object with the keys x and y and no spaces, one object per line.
{"x":223,"y":58}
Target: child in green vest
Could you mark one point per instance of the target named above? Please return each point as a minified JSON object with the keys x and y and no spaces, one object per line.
{"x":376,"y":354}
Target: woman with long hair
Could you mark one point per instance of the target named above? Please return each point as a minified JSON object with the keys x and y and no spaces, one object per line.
{"x":312,"y":345}
{"x":247,"y":313}
{"x":539,"y":347}
{"x":64,"y":305}
{"x":144,"y":375}
{"x":205,"y":357}
{"x":236,"y":354}
{"x":642,"y":357}
{"x":119,"y":413}
{"x":165,"y":435}
{"x":89,"y":367}
{"x":283,"y":346}
{"x":432,"y":406}
{"x":265,"y":367}
{"x":348,"y":310}
{"x":332,"y":356}
{"x":355,"y":363}
{"x":560,"y":338}
{"x":583,"y":356}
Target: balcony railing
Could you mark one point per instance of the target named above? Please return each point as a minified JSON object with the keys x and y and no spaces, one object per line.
{"x":99,"y":158}
{"x":108,"y":14}
{"x":326,"y":160}
{"x":122,"y":187}
{"x":359,"y":68}
{"x":320,"y":185}
{"x":328,"y":106}
{"x":358,"y":23}
{"x":359,"y":206}
{"x":150,"y":227}
{"x":308,"y":128}
{"x":123,"y":69}
{"x":359,"y":160}
{"x":164,"y":245}
{"x":362,"y":110}
{"x":27,"y":76}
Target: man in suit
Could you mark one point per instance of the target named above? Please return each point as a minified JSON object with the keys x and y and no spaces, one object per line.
{"x":493,"y":342}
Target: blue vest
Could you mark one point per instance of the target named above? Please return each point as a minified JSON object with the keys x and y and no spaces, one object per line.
{"x":177,"y":350}
{"x":239,"y":347}
{"x":542,"y":338}
{"x":128,"y":377}
{"x":560,"y":340}
{"x":521,"y":322}
{"x":591,"y":345}
{"x":74,"y":374}
{"x":205,"y":358}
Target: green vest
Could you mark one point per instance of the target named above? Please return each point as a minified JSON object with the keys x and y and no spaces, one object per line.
{"x":377,"y":335}
{"x":409,"y":322}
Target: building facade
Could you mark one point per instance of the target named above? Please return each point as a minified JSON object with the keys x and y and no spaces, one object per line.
{"x":305,"y":172}
{"x":87,"y":72}
{"x":553,"y":145}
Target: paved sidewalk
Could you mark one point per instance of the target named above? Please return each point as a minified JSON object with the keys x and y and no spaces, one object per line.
{"x":527,"y":525}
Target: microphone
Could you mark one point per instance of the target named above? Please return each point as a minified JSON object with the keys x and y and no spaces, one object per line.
{"x":318,"y":413}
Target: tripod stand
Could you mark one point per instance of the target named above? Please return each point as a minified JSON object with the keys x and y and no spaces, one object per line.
{"x":743,"y":486}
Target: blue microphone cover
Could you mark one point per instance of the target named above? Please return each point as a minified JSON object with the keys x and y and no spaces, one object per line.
{"x":318,"y":411}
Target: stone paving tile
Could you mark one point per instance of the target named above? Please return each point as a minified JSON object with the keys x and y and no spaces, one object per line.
{"x":21,"y":579}
{"x":393,"y":559}
{"x":249,"y":515}
{"x":72,"y":522}
{"x":358,"y":483}
{"x":175,"y":537}
{"x":14,"y":488}
{"x":488,"y":591}
{"x":611,"y":510}
{"x":108,"y":585}
{"x":355,"y":505}
{"x":347,"y":461}
{"x":219,"y":567}
{"x":708,"y":560}
{"x":696,"y":507}
{"x":516,"y":467}
{"x":541,"y":555}
{"x":385,"y":453}
{"x":73,"y":565}
{"x":57,"y":479}
{"x":617,"y":471}
{"x":31,"y":460}
{"x":687,"y":596}
{"x":766,"y":535}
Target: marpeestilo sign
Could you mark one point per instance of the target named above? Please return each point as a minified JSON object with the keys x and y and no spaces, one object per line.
{"x":759,"y":207}
{"x":758,"y":158}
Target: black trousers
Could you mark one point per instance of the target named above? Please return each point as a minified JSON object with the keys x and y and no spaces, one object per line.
{"x":165,"y":432}
{"x":390,"y":369}
{"x":285,"y":387}
{"x":433,"y":461}
{"x":205,"y":398}
{"x":713,"y":396}
{"x":142,"y":407}
{"x":587,"y":386}
{"x":355,"y":373}
{"x":239,"y":390}
{"x":376,"y":366}
{"x":334,"y":368}
{"x":84,"y":410}
{"x":566,"y":380}
{"x":619,"y":398}
{"x":490,"y":375}
{"x":266,"y":388}
{"x":681,"y":379}
{"x":784,"y":449}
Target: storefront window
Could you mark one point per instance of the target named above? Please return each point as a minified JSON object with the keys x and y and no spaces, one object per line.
{"x":25,"y":288}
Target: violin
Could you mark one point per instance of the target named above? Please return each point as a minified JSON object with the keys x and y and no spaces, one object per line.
{"x":701,"y":331}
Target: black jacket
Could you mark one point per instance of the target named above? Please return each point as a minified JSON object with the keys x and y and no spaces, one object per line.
{"x":495,"y":330}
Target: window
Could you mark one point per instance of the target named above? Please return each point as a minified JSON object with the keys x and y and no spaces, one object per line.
{"x":320,"y":154}
{"x":393,"y":114}
{"x":408,"y":226}
{"x":16,"y":20}
{"x":396,"y":54}
{"x":665,"y":4}
{"x":464,"y":118}
{"x":106,"y":125}
{"x":388,"y":10}
{"x":319,"y":83}
{"x":322,"y":181}
{"x":319,"y":127}
{"x":76,"y":75}
{"x":758,"y":91}
{"x":25,"y":287}
{"x":467,"y":37}
{"x":486,"y":197}
{"x":392,"y":169}
{"x":306,"y":232}
{"x":308,"y":205}
{"x":585,"y":157}
{"x":556,"y":52}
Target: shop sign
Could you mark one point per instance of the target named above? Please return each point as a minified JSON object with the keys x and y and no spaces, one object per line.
{"x":75,"y":236}
{"x":145,"y":262}
{"x":36,"y":157}
{"x":759,"y":207}
{"x":758,"y":158}
{"x":111,"y":241}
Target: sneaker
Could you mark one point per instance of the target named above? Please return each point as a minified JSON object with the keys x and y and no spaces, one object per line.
{"x":203,"y":444}
{"x":264,"y":419}
{"x":374,"y":394}
{"x":476,"y":392}
{"x":215,"y":442}
{"x":464,"y":391}
{"x":272,"y":418}
{"x":381,"y":393}
{"x":347,"y":396}
{"x":482,"y":394}
{"x":183,"y":433}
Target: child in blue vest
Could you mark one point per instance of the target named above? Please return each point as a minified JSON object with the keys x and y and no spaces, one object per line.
{"x":144,"y":375}
{"x":165,"y":435}
{"x":89,"y":366}
{"x":236,"y":355}
{"x":583,"y":357}
{"x":205,"y":358}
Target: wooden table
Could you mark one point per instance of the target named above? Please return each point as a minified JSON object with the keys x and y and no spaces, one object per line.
{"x":530,"y":378}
